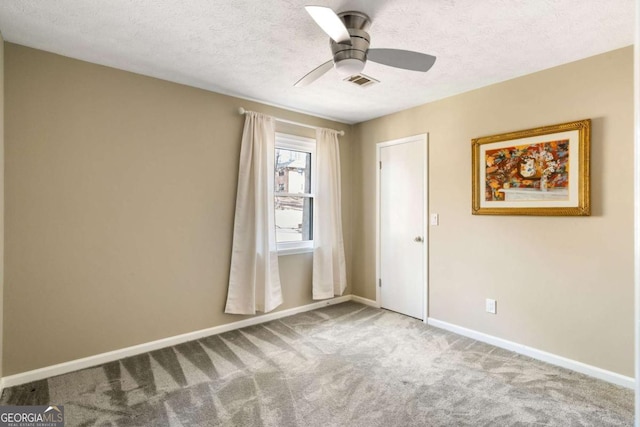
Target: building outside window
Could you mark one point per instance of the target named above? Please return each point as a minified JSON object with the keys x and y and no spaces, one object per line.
{"x":294,"y":193}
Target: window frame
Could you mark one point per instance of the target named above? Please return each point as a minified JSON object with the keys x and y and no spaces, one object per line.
{"x":306,"y":145}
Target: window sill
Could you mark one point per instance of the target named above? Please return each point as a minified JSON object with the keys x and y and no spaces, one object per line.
{"x":294,"y":251}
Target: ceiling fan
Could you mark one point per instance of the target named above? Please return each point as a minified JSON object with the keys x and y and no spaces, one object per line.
{"x":350,"y":46}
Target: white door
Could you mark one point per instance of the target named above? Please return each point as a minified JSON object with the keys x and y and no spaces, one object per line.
{"x":402,"y":227}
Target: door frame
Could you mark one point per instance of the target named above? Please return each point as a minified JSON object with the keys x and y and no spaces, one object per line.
{"x":424,"y":138}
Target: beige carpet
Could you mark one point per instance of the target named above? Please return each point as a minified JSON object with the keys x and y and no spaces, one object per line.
{"x":343,"y":365}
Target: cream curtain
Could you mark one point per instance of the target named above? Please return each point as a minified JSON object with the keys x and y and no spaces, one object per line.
{"x":329,"y":267}
{"x":254,"y":279}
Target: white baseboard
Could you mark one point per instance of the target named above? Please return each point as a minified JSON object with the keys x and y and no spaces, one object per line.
{"x":365,"y":301}
{"x":99,"y":359}
{"x":550,"y":358}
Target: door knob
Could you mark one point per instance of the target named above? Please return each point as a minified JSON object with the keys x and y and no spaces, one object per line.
{"x":418,"y":239}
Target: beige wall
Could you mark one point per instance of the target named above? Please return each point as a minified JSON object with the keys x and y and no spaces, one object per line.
{"x":563,"y":284}
{"x":1,"y":198}
{"x":120,"y":201}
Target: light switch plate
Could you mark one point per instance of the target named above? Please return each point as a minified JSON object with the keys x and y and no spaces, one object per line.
{"x":434,"y":219}
{"x":490,"y":306}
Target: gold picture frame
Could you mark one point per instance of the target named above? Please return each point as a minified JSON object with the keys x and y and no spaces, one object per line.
{"x":541,"y":171}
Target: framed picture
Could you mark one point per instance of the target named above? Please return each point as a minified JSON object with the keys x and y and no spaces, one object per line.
{"x":543,"y":171}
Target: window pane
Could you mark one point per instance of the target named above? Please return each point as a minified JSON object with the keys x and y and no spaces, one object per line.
{"x":293,"y":171}
{"x":294,"y":219}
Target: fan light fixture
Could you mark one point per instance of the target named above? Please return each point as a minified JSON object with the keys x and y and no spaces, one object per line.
{"x":349,"y":41}
{"x":349,"y":67}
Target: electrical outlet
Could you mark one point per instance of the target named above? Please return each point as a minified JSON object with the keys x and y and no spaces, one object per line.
{"x":490,"y":306}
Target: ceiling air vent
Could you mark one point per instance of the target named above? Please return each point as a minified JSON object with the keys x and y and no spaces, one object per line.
{"x":361,"y":80}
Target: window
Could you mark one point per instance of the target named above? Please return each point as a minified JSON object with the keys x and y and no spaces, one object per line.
{"x":294,"y":191}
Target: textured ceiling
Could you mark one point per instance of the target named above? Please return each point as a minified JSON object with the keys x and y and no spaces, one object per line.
{"x":257,"y":49}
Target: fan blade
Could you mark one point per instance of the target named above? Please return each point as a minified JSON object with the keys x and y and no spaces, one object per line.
{"x":330,"y":23}
{"x":315,"y":74}
{"x":405,"y":59}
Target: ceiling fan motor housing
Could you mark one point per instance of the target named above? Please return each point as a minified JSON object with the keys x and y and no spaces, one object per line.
{"x":350,"y":59}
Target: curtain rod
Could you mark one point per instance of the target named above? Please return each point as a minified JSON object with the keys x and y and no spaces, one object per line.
{"x":242,"y":111}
